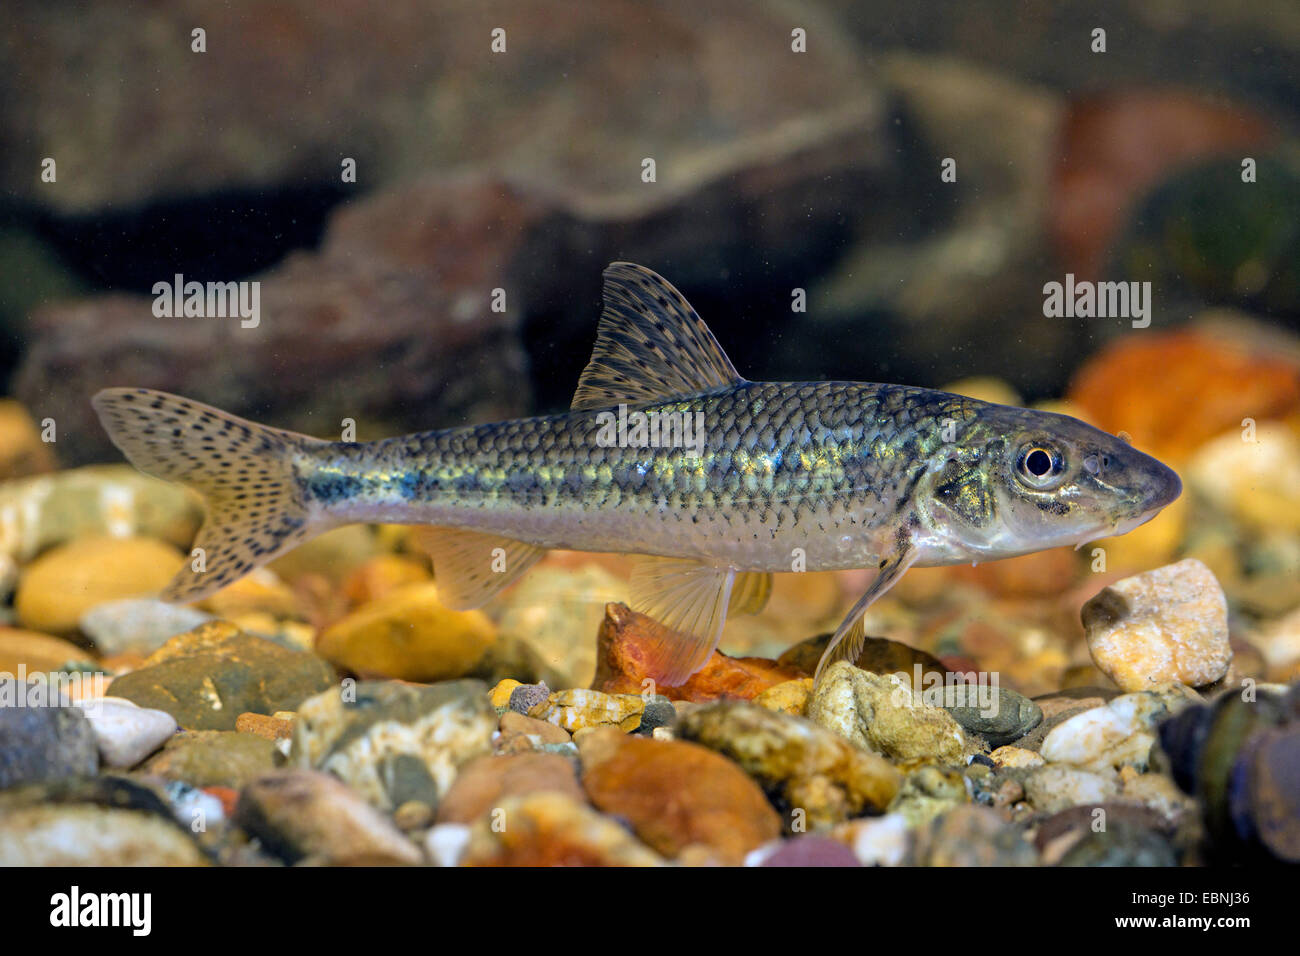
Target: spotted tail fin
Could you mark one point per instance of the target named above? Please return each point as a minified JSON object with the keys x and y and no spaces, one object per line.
{"x":255,"y":508}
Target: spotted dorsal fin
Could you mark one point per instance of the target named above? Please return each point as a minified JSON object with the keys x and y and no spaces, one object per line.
{"x":652,"y":345}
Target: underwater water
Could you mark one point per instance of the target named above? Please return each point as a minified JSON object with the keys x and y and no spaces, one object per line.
{"x":819,"y":434}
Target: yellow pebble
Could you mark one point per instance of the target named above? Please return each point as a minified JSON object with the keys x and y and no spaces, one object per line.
{"x":788,"y":697}
{"x":501,"y":693}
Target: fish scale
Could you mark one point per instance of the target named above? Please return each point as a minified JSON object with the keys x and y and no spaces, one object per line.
{"x":788,"y":476}
{"x":784,"y":466}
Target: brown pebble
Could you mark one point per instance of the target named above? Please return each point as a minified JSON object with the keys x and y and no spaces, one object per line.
{"x":513,"y":724}
{"x":272,"y":728}
{"x":413,"y":815}
{"x":485,"y":782}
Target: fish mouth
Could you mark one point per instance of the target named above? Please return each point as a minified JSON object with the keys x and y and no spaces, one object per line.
{"x":1122,"y":526}
{"x":1167,"y":487}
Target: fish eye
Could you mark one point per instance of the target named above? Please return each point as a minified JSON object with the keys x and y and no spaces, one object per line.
{"x":1038,"y":465}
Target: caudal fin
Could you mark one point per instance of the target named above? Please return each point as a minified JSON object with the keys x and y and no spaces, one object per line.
{"x":254,"y":504}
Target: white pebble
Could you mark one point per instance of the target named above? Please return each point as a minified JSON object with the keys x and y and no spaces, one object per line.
{"x":445,"y":843}
{"x":125,"y":732}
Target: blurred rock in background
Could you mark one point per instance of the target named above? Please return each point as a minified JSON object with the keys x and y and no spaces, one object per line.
{"x":522,"y":170}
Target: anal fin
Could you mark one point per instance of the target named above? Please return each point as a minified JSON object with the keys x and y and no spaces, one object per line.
{"x":471,"y":567}
{"x":688,"y":602}
{"x":749,"y":592}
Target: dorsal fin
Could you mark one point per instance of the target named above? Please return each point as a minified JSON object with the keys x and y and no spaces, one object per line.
{"x":652,"y":345}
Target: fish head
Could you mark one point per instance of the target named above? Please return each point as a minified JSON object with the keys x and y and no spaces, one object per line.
{"x":1018,"y":480}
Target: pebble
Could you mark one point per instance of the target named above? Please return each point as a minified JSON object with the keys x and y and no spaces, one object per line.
{"x":61,"y":585}
{"x":578,"y":709}
{"x":1170,"y":624}
{"x":138,"y":625}
{"x":1010,"y":717}
{"x":1054,"y":788}
{"x":42,"y":512}
{"x":659,"y":714}
{"x":810,"y":850}
{"x":34,"y":652}
{"x":973,"y":835}
{"x":382,"y":575}
{"x":1061,"y":833}
{"x":1121,"y":844}
{"x":485,"y":782}
{"x":330,"y":555}
{"x":928,"y":792}
{"x":207,"y":677}
{"x":260,"y":725}
{"x":549,"y":829}
{"x":1279,"y":643}
{"x":676,"y":794}
{"x":1275,"y":792}
{"x":1119,"y":733}
{"x":260,"y":592}
{"x":195,"y":807}
{"x":1140,"y":383}
{"x":788,"y":697}
{"x":212,"y":758}
{"x":22,"y":452}
{"x":520,"y":732}
{"x":1239,"y":756}
{"x":394,"y":742}
{"x":1157,"y":792}
{"x":621,"y":665}
{"x":1009,"y":756}
{"x":555,"y":611}
{"x":413,"y":815}
{"x":125,"y":732}
{"x":810,"y":769}
{"x":876,"y":841}
{"x":879,"y":655}
{"x":409,"y":635}
{"x":1256,"y":482}
{"x":445,"y":843}
{"x":882,"y":714}
{"x":303,"y":816}
{"x":45,"y":743}
{"x":1060,"y":707}
{"x":500,"y":694}
{"x":524,"y":697}
{"x":81,"y":835}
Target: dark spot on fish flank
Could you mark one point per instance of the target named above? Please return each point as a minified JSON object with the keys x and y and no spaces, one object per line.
{"x":327,"y":487}
{"x":466,"y":483}
{"x":1053,"y":506}
{"x":408,"y":485}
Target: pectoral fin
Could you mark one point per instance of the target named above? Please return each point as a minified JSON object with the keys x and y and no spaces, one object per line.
{"x":470,"y":568}
{"x":687,"y":601}
{"x":847,"y":642}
